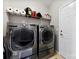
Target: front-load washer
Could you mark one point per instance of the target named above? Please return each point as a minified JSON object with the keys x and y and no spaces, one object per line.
{"x":22,"y":40}
{"x":46,"y":40}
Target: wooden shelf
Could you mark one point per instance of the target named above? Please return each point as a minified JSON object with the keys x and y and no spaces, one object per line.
{"x":31,"y":17}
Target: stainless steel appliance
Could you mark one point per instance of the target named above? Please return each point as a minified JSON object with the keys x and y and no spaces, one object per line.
{"x":22,"y":40}
{"x":46,"y":40}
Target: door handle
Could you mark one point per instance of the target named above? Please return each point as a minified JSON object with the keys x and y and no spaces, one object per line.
{"x":61,"y":33}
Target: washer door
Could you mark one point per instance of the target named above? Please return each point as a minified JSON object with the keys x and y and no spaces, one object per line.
{"x":23,"y":38}
{"x":47,"y":36}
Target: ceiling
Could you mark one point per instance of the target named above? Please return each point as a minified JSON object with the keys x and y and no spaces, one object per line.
{"x":47,"y":3}
{"x":44,"y":2}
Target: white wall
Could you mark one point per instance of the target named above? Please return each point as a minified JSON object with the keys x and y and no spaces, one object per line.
{"x":22,"y":4}
{"x":54,"y":12}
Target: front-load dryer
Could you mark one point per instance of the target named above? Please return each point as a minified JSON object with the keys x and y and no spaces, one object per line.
{"x":46,"y":40}
{"x":22,"y":40}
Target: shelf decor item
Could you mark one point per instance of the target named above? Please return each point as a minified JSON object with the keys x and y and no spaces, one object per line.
{"x":47,"y":16}
{"x":39,"y":15}
{"x":23,"y":13}
{"x":28,"y":12}
{"x":16,"y":11}
{"x":9,"y":10}
{"x":34,"y":14}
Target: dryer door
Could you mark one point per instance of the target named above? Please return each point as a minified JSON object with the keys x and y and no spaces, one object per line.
{"x":47,"y":36}
{"x":22,"y":38}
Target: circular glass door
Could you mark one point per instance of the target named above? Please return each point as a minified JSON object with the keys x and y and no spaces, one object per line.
{"x":23,"y":37}
{"x":47,"y":36}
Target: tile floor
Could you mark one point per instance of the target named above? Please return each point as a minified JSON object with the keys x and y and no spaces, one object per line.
{"x":56,"y":56}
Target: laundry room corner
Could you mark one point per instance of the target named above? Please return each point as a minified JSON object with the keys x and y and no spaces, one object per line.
{"x":39,"y":29}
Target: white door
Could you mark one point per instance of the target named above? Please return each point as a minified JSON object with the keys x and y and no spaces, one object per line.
{"x":67,"y":35}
